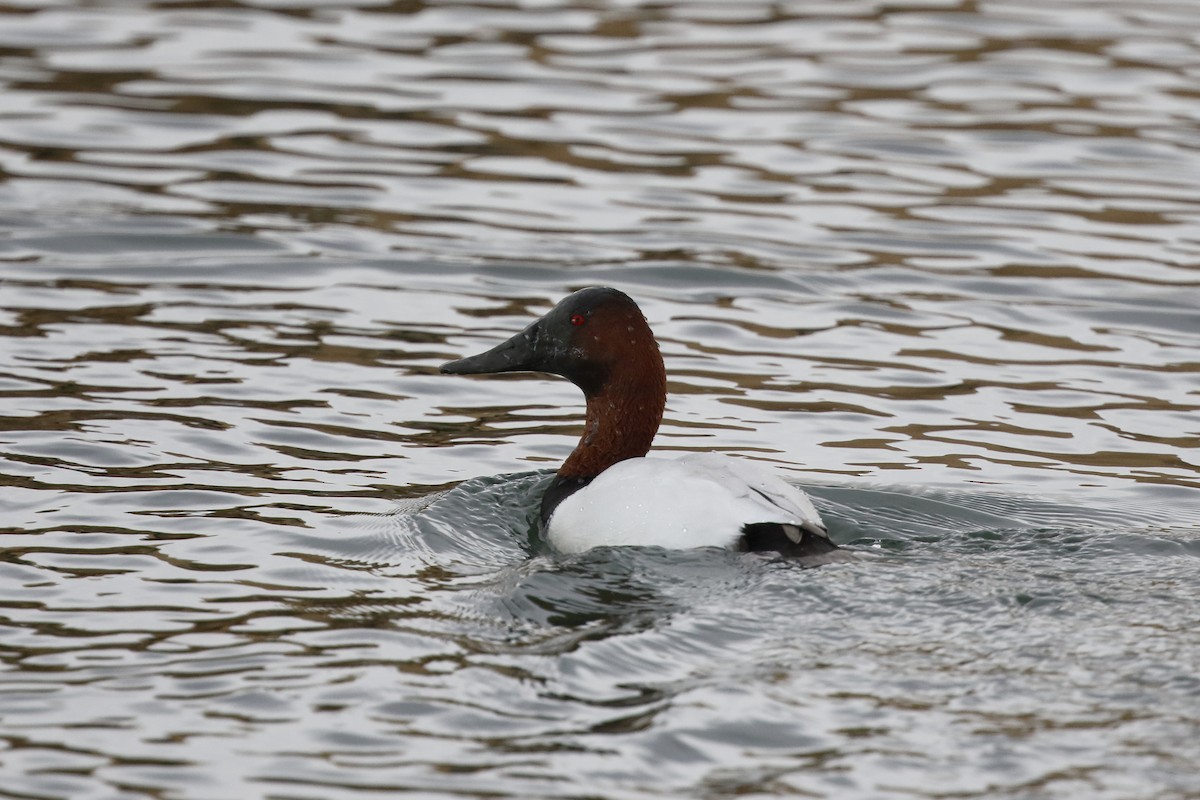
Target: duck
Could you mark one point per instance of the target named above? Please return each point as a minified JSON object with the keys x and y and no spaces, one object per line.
{"x":609,"y":492}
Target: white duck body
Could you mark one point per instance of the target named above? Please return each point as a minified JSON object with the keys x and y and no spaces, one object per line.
{"x":698,"y":500}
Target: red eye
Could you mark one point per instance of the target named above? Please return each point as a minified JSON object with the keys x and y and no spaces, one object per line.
{"x":578,"y":319}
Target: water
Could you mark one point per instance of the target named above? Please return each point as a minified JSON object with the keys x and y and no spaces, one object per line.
{"x":935,"y":261}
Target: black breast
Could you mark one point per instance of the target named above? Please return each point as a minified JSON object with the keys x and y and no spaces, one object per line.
{"x":560,"y":489}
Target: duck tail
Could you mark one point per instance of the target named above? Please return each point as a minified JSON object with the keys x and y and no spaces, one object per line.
{"x":808,"y":543}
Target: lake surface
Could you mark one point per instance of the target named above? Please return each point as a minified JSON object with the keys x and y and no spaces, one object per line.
{"x":938,"y":262}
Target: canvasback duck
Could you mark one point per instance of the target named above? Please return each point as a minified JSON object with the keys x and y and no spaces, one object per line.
{"x":608,"y":491}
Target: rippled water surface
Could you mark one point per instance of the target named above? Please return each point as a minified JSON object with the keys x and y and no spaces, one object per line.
{"x":936,"y":261}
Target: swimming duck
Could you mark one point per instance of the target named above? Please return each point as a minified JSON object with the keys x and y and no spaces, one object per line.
{"x":609,"y":492}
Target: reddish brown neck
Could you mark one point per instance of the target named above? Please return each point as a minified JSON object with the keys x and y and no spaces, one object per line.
{"x":622,"y":418}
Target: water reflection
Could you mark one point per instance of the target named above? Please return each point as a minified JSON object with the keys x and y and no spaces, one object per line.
{"x":935,"y":261}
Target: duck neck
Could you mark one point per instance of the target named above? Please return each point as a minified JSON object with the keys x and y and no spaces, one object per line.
{"x":621,"y":423}
{"x":622,"y":418}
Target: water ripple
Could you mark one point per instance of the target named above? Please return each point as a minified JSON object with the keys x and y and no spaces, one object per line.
{"x":936,"y":262}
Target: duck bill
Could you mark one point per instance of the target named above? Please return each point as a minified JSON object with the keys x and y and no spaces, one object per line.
{"x":512,"y":356}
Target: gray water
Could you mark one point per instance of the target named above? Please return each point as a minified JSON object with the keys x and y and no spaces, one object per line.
{"x":935,"y":261}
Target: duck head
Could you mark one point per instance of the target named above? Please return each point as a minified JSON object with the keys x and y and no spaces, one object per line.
{"x":598,"y":339}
